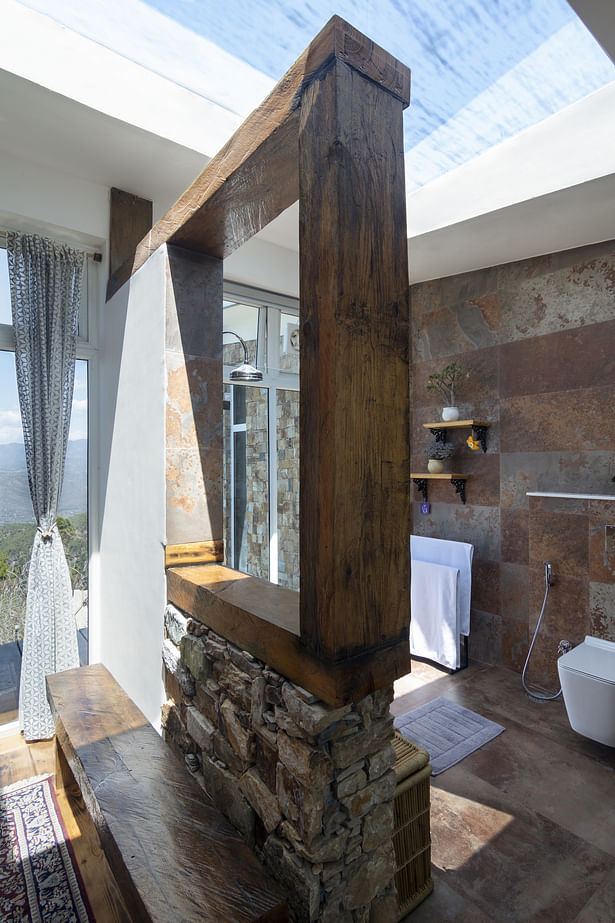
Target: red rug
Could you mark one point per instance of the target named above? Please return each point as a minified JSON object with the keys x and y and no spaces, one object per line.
{"x":39,"y":879}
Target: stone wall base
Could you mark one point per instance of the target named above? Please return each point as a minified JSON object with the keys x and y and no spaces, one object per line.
{"x":308,"y":786}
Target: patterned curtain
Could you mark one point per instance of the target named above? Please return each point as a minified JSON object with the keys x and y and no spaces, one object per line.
{"x":45,"y":283}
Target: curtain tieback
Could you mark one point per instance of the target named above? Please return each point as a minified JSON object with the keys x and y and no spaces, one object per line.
{"x":46,"y":535}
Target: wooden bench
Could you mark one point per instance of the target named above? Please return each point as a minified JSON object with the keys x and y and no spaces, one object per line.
{"x":174,"y":857}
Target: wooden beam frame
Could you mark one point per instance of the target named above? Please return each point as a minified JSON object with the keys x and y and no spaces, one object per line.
{"x":330,"y":133}
{"x":255,"y":176}
{"x":263,"y":619}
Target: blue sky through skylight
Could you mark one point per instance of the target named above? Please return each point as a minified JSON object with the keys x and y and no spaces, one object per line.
{"x":487,"y":68}
{"x":482,"y":70}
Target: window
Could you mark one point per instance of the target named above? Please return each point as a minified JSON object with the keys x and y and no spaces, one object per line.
{"x":16,"y":517}
{"x":261,"y":437}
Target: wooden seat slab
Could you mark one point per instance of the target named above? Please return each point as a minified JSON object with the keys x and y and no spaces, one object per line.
{"x":175,"y":858}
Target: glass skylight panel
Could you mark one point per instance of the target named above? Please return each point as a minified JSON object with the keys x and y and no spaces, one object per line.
{"x":481,"y":71}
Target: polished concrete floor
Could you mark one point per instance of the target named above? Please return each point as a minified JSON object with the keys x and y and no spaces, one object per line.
{"x":524,"y":828}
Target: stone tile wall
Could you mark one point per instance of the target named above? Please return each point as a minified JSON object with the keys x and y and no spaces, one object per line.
{"x":538,"y":338}
{"x":308,"y":786}
{"x":570,"y":534}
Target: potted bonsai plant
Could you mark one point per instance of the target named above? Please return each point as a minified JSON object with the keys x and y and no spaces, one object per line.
{"x":437,"y":453}
{"x":444,"y":383}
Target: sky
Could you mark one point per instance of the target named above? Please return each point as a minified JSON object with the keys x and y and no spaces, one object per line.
{"x":482,"y":70}
{"x":10,"y":418}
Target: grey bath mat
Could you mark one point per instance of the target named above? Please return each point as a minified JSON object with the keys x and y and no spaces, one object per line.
{"x":447,"y":731}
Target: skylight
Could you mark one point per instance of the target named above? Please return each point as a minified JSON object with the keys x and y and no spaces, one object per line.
{"x":482,"y":70}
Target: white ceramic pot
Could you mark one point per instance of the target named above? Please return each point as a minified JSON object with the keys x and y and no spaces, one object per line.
{"x":449,"y":414}
{"x":435,"y":466}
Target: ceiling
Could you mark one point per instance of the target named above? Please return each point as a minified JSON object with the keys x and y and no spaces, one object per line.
{"x":95,"y":129}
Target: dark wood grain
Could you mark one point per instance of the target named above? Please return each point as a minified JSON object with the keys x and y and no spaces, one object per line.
{"x":174,"y":857}
{"x":354,"y":410}
{"x":263,"y":619}
{"x":130,"y":219}
{"x":255,"y":175}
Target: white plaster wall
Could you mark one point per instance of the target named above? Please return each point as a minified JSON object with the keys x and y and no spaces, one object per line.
{"x":127,"y":630}
{"x":264,"y":265}
{"x":36,"y":197}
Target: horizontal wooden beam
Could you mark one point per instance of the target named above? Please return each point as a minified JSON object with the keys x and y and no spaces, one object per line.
{"x":194,"y":553}
{"x":263,"y":619}
{"x":255,"y":175}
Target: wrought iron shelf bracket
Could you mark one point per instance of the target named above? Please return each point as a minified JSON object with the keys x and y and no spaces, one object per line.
{"x":457,"y":480}
{"x":479,"y":430}
{"x":421,"y":486}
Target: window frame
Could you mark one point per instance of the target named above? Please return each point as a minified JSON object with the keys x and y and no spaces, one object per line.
{"x":271,"y":306}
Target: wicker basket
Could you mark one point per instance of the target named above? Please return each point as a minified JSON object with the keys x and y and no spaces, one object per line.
{"x":411,"y":835}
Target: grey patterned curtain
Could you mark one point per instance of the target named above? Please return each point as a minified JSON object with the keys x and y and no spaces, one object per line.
{"x":45,"y":283}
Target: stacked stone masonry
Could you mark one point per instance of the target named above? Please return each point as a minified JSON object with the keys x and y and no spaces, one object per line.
{"x":308,"y":786}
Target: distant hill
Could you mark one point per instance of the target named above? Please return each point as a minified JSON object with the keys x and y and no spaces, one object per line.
{"x":15,"y":503}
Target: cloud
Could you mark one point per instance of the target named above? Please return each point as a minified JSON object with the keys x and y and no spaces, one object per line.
{"x":10,"y":426}
{"x":80,"y":405}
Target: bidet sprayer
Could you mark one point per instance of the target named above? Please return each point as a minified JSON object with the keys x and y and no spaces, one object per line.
{"x":548,"y":581}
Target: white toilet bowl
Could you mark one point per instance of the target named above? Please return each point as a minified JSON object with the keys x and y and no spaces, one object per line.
{"x":587,"y":675}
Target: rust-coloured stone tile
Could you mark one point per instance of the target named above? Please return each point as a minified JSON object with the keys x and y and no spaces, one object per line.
{"x":469,"y":285}
{"x":194,"y":401}
{"x":515,"y":536}
{"x":561,"y":539}
{"x":486,"y":585}
{"x":483,"y":484}
{"x":602,"y":610}
{"x":564,"y":361}
{"x":550,"y":294}
{"x":478,"y":525}
{"x":565,"y":472}
{"x":567,"y":611}
{"x":425,"y":297}
{"x":572,"y":506}
{"x":601,"y":565}
{"x":193,"y":497}
{"x":541,"y":675}
{"x":514,"y":593}
{"x":558,"y":421}
{"x":515,"y":644}
{"x":485,"y":644}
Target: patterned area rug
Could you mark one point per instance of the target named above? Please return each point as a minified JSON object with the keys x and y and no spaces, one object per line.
{"x":39,"y":881}
{"x":447,"y":731}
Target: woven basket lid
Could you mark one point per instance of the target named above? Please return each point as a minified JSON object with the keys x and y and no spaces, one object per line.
{"x":409,"y":757}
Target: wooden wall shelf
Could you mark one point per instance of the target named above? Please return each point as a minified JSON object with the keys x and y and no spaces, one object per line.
{"x":457,"y":480}
{"x":479,"y":429}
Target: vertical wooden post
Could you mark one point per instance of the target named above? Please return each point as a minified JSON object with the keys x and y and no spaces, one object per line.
{"x":354,"y":515}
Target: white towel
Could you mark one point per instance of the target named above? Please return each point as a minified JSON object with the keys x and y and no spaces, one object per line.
{"x":434,"y":613}
{"x":454,"y":554}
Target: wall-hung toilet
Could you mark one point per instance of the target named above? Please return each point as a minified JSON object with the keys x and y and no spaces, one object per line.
{"x":587,"y":676}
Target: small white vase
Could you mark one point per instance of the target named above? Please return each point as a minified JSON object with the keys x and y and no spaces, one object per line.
{"x":450,"y":414}
{"x":435,"y":466}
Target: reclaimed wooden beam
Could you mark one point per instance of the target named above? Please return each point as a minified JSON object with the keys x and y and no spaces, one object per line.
{"x":354,"y":396}
{"x":193,"y":553}
{"x":255,"y":175}
{"x":130,"y":219}
{"x":264,"y":619}
{"x":174,"y":856}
